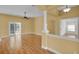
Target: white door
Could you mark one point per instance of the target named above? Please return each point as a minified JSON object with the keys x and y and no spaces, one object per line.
{"x":15,"y":34}
{"x":18,"y":35}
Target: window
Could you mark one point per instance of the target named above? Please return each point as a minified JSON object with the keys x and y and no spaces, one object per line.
{"x":14,"y":27}
{"x":11,"y":28}
{"x":71,"y":28}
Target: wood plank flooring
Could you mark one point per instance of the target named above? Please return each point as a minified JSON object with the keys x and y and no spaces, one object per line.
{"x":31,"y":44}
{"x":24,"y":51}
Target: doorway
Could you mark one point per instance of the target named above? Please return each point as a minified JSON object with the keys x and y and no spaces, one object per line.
{"x":15,"y":34}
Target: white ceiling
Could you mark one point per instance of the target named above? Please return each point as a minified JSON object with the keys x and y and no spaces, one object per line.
{"x":18,"y":10}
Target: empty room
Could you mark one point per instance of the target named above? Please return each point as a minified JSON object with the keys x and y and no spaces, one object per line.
{"x":39,"y":29}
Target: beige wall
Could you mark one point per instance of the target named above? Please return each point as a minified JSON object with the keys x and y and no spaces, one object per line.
{"x":27,"y":25}
{"x":60,"y":45}
{"x":53,"y":24}
{"x":38,"y":25}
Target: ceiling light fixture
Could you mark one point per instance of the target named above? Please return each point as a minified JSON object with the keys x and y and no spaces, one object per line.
{"x":66,"y":9}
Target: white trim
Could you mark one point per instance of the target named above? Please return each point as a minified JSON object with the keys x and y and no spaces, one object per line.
{"x":55,"y":51}
{"x":0,"y":39}
{"x":63,"y":38}
{"x":22,"y":34}
{"x":27,"y":33}
{"x":38,"y":34}
{"x":52,"y":50}
{"x":44,"y":47}
{"x":5,"y":36}
{"x":32,"y":33}
{"x":51,"y":35}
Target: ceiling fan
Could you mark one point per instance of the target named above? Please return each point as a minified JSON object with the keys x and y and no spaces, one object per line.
{"x":29,"y":13}
{"x":25,"y":17}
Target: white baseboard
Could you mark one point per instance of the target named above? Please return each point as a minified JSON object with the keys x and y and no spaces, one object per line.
{"x":32,"y":33}
{"x":52,"y":50}
{"x":55,"y":51}
{"x":44,"y":47}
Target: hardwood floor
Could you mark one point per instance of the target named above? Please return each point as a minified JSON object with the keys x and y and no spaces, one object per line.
{"x":24,"y":51}
{"x":31,"y":44}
